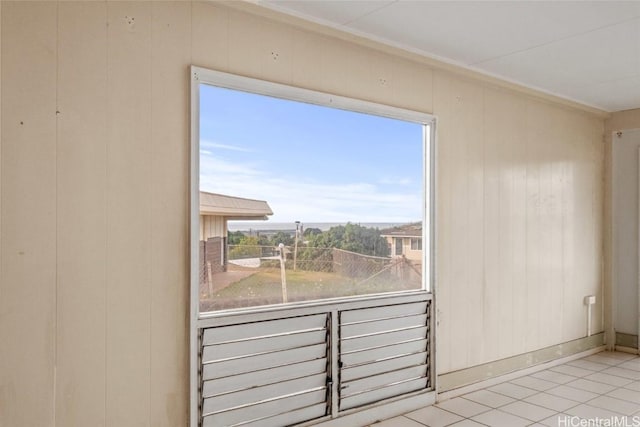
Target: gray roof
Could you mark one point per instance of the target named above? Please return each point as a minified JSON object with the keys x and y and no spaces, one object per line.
{"x":407,"y":230}
{"x":233,"y":207}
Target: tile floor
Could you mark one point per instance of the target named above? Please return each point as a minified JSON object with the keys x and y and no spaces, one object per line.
{"x":604,"y":387}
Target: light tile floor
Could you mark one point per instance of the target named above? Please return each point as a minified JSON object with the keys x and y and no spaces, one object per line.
{"x":604,"y":387}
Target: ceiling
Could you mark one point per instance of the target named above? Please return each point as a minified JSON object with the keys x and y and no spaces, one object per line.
{"x":585,"y":51}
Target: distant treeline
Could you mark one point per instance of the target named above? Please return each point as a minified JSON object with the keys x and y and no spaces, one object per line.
{"x":349,"y":237}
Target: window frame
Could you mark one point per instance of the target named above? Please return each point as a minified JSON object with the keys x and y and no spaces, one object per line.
{"x":230,"y":81}
{"x":418,"y":243}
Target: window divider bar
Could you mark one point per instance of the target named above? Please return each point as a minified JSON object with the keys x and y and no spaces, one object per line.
{"x":335,"y":360}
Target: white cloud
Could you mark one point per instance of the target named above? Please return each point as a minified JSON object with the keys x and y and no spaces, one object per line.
{"x":299,"y":199}
{"x":212,"y":144}
{"x":395,"y":181}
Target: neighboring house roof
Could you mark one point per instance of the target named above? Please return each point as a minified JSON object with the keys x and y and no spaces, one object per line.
{"x":233,"y":207}
{"x":407,"y":230}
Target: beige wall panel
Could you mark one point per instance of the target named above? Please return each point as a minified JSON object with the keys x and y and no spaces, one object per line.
{"x":533,"y":173}
{"x":28,"y":282}
{"x":445,"y":266}
{"x":590,"y":173}
{"x":129,"y":155}
{"x":570,"y":145}
{"x":597,"y":283}
{"x":320,"y":63}
{"x":2,"y":377}
{"x":81,"y":226}
{"x":546,"y":147}
{"x":571,"y":235}
{"x":345,"y":70}
{"x":504,"y":238}
{"x":551,"y":155}
{"x":276,"y":52}
{"x":241,"y":43}
{"x":569,"y":173}
{"x":210,"y":36}
{"x":579,"y":197}
{"x":546,"y":282}
{"x":379,"y":83}
{"x":512,"y":120}
{"x":244,"y":48}
{"x":561,"y":228}
{"x":260,"y":48}
{"x":534,"y":133}
{"x":306,"y":69}
{"x":514,"y":123}
{"x":472,"y":96}
{"x":599,"y":204}
{"x":169,"y":294}
{"x":629,"y":119}
{"x":412,"y":86}
{"x":538,"y":134}
{"x":458,"y":105}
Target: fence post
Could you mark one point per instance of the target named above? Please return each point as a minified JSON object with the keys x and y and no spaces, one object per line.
{"x":283,"y":274}
{"x":209,"y":279}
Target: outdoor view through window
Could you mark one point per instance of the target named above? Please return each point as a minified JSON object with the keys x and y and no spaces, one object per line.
{"x":304,"y":202}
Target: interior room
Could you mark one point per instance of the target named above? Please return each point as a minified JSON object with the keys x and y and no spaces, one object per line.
{"x":510,"y":297}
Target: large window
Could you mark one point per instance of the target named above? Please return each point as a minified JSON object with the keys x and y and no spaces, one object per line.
{"x":303,"y":309}
{"x":301,"y":193}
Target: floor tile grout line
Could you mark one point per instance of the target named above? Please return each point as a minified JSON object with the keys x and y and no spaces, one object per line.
{"x":600,"y":394}
{"x":489,"y":408}
{"x":602,"y":382}
{"x":500,"y":407}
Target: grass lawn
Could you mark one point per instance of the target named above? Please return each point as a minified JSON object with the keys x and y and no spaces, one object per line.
{"x":264,"y":287}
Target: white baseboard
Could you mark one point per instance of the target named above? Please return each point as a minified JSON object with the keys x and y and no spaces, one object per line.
{"x":627,"y":349}
{"x":515,"y":374}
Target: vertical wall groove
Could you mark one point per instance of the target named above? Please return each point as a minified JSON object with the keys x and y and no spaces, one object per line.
{"x":28,"y":271}
{"x":57,"y":248}
{"x":81,"y":136}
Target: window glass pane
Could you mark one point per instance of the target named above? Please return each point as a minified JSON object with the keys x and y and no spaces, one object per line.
{"x":304,"y":202}
{"x":416,"y":244}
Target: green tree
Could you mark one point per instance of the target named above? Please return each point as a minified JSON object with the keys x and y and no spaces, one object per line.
{"x":263,"y":240}
{"x":308,"y":232}
{"x":247,"y":247}
{"x":352,"y":237}
{"x":281,"y":237}
{"x":234,"y":237}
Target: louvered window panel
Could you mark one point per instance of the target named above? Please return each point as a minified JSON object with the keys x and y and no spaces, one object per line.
{"x":384,"y":353}
{"x":268,"y":373}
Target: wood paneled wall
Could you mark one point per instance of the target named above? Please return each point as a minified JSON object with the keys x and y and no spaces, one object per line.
{"x":520,"y":223}
{"x":94,"y":199}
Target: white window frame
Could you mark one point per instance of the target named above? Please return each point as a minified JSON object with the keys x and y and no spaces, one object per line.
{"x":199,"y":320}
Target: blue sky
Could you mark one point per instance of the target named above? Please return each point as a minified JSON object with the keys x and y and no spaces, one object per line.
{"x":310,"y":163}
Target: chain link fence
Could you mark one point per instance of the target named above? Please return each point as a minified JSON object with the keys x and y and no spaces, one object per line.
{"x":253,"y":275}
{"x":331,"y":260}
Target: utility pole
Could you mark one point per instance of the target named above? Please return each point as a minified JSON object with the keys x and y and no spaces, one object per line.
{"x":295,"y":247}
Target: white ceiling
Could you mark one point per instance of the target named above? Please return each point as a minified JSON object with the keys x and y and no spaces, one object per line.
{"x":586,"y":51}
